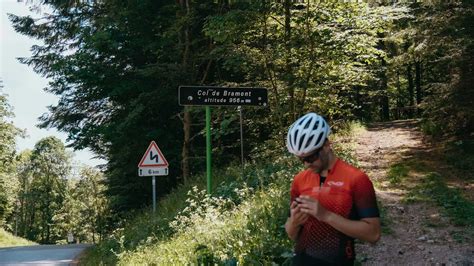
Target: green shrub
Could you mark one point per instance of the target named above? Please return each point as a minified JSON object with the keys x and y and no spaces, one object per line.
{"x":430,"y":128}
{"x":397,"y":173}
{"x":460,"y":154}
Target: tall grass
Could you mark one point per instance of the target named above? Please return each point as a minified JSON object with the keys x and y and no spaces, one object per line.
{"x":9,"y":240}
{"x":215,"y":231}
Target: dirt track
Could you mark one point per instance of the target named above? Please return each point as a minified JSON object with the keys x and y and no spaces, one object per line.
{"x":419,"y":233}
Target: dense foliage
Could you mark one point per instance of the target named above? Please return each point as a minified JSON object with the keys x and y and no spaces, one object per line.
{"x":116,"y":66}
{"x":49,"y":204}
{"x":48,"y":167}
{"x":444,"y":43}
{"x":8,"y":186}
{"x":36,"y":198}
{"x":84,"y":211}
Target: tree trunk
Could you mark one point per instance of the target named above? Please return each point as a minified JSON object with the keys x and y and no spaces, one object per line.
{"x":419,"y":93}
{"x":24,"y":209}
{"x":399,"y":93}
{"x":288,"y":74}
{"x":410,"y":90}
{"x":187,"y":116}
{"x":384,"y":101}
{"x":311,"y":64}
{"x":358,"y":101}
{"x":268,"y":70}
{"x":31,"y":219}
{"x":385,"y":108}
{"x":187,"y":137}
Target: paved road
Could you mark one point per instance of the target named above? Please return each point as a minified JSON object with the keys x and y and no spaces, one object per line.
{"x":41,"y":254}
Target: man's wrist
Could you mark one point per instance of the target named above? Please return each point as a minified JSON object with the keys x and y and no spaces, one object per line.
{"x":292,"y":229}
{"x":293,"y":224}
{"x":329,"y":217}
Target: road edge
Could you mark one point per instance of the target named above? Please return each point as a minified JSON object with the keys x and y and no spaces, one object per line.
{"x":77,"y":258}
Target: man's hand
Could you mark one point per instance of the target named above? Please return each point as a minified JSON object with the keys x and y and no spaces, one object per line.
{"x":297,"y":217}
{"x":295,"y":221}
{"x":366,"y":229}
{"x":312,"y":207}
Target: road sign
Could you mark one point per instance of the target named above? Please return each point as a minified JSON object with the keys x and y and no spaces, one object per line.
{"x":153,"y":157}
{"x":208,"y":95}
{"x":153,"y":164}
{"x":152,"y":171}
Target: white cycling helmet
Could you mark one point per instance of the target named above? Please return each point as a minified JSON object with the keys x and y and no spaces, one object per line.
{"x":307,"y":134}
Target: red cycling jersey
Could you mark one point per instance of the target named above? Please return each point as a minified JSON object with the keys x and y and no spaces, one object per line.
{"x":346,"y":191}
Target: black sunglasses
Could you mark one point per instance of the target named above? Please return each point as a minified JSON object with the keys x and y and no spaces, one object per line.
{"x":311,"y":158}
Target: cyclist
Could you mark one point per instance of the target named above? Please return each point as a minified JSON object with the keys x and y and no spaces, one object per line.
{"x":332,"y":202}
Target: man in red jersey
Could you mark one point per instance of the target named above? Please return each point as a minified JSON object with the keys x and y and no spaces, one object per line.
{"x":332,"y":202}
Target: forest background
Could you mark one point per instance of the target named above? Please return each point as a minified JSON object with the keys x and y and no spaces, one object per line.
{"x":116,"y":67}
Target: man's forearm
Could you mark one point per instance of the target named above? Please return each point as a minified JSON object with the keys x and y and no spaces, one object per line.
{"x":292,"y":230}
{"x":367,"y":229}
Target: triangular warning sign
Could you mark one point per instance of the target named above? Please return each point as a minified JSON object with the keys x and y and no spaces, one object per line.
{"x":153,"y":157}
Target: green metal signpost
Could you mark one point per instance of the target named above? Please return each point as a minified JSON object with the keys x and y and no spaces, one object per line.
{"x":208,"y":150}
{"x":220,"y":96}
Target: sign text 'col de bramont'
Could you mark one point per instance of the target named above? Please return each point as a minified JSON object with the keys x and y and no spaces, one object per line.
{"x":207,"y":95}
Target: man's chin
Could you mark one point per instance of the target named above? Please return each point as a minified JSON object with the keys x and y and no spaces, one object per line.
{"x":316,"y":170}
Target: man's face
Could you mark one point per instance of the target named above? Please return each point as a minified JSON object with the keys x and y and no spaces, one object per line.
{"x":317,"y":161}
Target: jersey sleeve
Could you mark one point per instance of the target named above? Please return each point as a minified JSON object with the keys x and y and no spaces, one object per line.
{"x":364,"y":198}
{"x":294,"y":193}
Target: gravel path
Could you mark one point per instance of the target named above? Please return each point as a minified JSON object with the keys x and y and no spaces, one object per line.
{"x":419,"y":234}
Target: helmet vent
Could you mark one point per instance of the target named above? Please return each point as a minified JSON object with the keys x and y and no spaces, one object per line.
{"x":309,"y":141}
{"x":320,"y":137}
{"x":295,"y":136}
{"x":301,"y":142}
{"x":307,"y":124}
{"x":316,"y":125}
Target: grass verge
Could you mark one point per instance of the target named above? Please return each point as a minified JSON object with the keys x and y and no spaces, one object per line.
{"x":434,"y":189}
{"x":9,"y":240}
{"x":423,"y":184}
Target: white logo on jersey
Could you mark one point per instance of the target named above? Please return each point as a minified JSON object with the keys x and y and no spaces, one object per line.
{"x":337,"y":184}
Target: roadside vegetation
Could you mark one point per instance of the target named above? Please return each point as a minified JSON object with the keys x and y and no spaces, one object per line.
{"x":241,"y":222}
{"x":9,"y":240}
